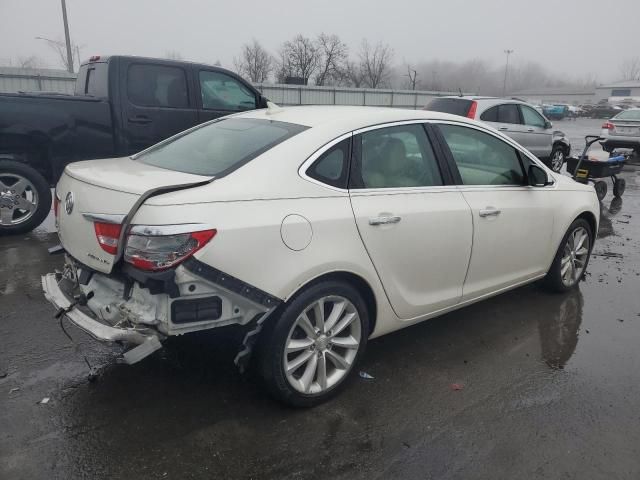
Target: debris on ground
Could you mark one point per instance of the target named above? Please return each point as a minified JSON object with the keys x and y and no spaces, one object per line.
{"x":365,"y":375}
{"x":456,"y":386}
{"x":4,"y":374}
{"x":44,"y":401}
{"x":14,"y":389}
{"x":607,"y":254}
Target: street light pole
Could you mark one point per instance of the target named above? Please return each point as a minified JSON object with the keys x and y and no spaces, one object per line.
{"x":66,"y":37}
{"x":506,"y":70}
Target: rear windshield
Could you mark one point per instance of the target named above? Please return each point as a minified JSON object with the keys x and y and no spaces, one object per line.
{"x":628,"y":115}
{"x":456,"y":106}
{"x":218,"y":148}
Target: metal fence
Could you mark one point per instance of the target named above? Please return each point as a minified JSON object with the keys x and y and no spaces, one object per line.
{"x":14,"y":80}
{"x":45,"y":80}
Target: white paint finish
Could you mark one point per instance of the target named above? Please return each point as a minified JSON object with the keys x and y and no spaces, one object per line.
{"x":422,"y":259}
{"x":513,"y":245}
{"x":296,"y":232}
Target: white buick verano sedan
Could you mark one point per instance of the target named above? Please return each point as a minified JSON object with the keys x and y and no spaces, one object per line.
{"x":315,"y":229}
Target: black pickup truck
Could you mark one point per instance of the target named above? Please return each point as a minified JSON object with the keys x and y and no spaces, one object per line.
{"x":121,"y":105}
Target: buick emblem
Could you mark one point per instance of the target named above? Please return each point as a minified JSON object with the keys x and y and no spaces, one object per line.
{"x":68,"y":203}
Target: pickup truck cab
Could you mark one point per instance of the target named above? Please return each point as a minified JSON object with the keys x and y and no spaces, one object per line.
{"x":121,"y":105}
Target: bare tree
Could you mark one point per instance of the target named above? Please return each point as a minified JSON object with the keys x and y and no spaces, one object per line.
{"x":299,"y":57}
{"x":333,"y":53}
{"x":173,"y":55}
{"x":375,"y":63}
{"x":630,"y":69}
{"x":412,"y":74}
{"x":31,"y":61}
{"x":254,"y":62}
{"x":352,"y":75}
{"x":60,"y":47}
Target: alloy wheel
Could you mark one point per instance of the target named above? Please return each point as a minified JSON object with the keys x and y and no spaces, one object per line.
{"x":574,"y":258}
{"x":557,"y":160}
{"x":18,"y":199}
{"x":322,"y":345}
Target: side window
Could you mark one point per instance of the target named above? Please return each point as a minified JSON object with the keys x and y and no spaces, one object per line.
{"x":508,"y":113}
{"x":332,"y":166}
{"x":531,"y":117}
{"x":483,"y":159}
{"x":490,"y":115}
{"x":396,"y":157}
{"x":222,"y":92}
{"x":157,"y":86}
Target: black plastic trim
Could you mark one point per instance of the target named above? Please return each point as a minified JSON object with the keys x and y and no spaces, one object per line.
{"x":156,"y":282}
{"x":230,"y":283}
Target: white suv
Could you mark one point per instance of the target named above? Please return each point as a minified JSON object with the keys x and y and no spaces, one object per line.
{"x":514,"y":118}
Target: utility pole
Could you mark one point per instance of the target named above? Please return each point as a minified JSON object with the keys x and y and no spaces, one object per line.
{"x":506,"y":72}
{"x":412,"y":74}
{"x":66,"y":37}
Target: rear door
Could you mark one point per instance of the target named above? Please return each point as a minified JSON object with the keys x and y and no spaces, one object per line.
{"x":539,"y":138}
{"x":415,"y":225}
{"x":156,"y":103}
{"x":222,"y":94}
{"x":512,"y":222}
{"x":506,"y":118}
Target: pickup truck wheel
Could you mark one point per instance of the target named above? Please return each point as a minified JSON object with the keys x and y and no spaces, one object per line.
{"x":25,"y":198}
{"x":572,"y":257}
{"x":307,"y":354}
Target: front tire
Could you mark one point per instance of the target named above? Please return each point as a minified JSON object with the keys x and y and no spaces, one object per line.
{"x":25,"y":198}
{"x":572,"y":257}
{"x":307,"y":354}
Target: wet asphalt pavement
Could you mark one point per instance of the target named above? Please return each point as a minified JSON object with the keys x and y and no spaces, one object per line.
{"x":548,"y":386}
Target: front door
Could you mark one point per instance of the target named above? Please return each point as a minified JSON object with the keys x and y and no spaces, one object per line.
{"x":416,"y":229}
{"x":539,"y":137}
{"x":512,"y":222}
{"x":155,"y":105}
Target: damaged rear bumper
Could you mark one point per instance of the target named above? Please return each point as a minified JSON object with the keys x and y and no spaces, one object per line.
{"x":147,"y":341}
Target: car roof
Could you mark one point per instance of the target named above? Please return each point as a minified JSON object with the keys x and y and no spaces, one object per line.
{"x":345,"y":118}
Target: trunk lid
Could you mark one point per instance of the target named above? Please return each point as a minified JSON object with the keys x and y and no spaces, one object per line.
{"x":106,"y":189}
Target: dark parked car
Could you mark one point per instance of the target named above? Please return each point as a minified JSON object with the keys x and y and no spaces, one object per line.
{"x":121,"y":105}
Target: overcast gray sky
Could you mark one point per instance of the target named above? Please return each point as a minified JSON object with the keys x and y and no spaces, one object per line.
{"x":570,"y":36}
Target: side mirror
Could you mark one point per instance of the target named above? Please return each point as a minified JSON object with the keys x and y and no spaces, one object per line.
{"x":537,"y":177}
{"x":548,"y":124}
{"x":262,"y":102}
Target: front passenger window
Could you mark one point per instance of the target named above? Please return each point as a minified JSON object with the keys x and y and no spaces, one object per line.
{"x":222,"y":92}
{"x":481,"y":158}
{"x":397,"y":157}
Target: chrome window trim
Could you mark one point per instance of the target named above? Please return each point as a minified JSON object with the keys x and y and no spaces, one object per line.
{"x":160,"y":230}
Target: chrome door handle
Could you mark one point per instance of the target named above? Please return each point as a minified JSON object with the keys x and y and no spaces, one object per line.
{"x":530,"y":130}
{"x":489,"y":212}
{"x":384,"y":220}
{"x":503,"y":128}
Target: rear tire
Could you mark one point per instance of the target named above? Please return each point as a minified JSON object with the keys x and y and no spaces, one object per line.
{"x":557,"y":159}
{"x":25,"y":198}
{"x":571,"y":259}
{"x":296,"y":337}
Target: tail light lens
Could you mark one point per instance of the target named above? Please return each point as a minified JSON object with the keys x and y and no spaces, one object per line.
{"x":56,"y":204}
{"x":608,"y":126}
{"x":108,"y":235}
{"x":154,"y":251}
{"x":472,"y":110}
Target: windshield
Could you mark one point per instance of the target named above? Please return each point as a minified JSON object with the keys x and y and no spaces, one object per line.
{"x":628,"y":115}
{"x":218,"y":148}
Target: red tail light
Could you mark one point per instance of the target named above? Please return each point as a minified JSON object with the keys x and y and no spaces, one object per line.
{"x":94,"y":58}
{"x":472,"y":110}
{"x":158,"y":248}
{"x":56,"y":204}
{"x":107,"y":235}
{"x":608,"y":126}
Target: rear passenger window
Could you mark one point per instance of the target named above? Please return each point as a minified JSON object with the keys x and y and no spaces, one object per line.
{"x":396,"y":157}
{"x":157,"y":86}
{"x":508,"y":113}
{"x":490,"y":115}
{"x":331,"y":167}
{"x":483,"y":159}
